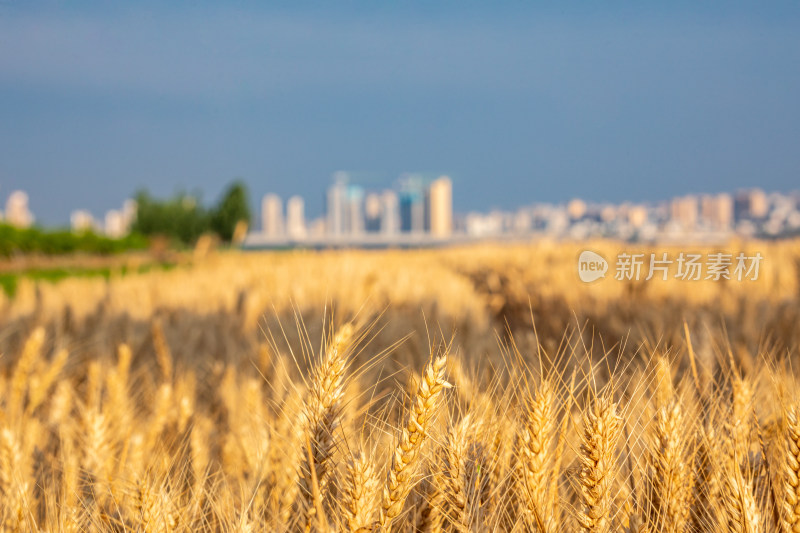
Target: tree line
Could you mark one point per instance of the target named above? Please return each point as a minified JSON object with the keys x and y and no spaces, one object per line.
{"x":184,"y":219}
{"x":181,"y":219}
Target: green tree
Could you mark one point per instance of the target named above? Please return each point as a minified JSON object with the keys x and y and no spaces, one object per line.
{"x":181,"y":218}
{"x":232,"y":208}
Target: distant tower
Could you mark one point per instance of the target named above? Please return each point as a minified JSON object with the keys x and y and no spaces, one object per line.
{"x":17,"y":212}
{"x":751,"y":204}
{"x":412,"y":204}
{"x":115,"y":224}
{"x":390,"y":214}
{"x":373,"y":209}
{"x":758,"y":203}
{"x":317,"y":228}
{"x":637,"y":215}
{"x":717,"y":211}
{"x":272,"y":216}
{"x":684,"y":211}
{"x":439,"y":207}
{"x":335,"y":204}
{"x":354,"y":220}
{"x":345,"y":207}
{"x":129,"y":209}
{"x":81,"y":220}
{"x":576,"y":209}
{"x":295,"y":217}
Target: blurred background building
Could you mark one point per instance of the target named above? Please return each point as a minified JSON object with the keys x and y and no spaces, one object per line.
{"x":296,"y":218}
{"x":17,"y":213}
{"x":439,"y":208}
{"x":420,"y":210}
{"x":82,"y":220}
{"x":272,"y":216}
{"x":412,"y":204}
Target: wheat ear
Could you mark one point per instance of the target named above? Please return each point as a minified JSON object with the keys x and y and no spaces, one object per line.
{"x":163,"y":353}
{"x":537,"y":435}
{"x":671,"y":483}
{"x":453,"y":465}
{"x":741,"y":508}
{"x":741,"y":426}
{"x":791,"y":475}
{"x":14,"y":481}
{"x":321,"y":419}
{"x":707,"y":511}
{"x":399,"y":481}
{"x":360,"y":494}
{"x":156,"y":513}
{"x":602,"y":427}
{"x":19,"y":379}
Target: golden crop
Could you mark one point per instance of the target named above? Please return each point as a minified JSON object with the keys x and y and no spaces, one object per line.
{"x":482,"y":388}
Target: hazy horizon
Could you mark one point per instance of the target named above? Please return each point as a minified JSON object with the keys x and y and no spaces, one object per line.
{"x":517,"y":104}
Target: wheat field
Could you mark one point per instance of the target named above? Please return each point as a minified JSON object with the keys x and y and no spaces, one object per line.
{"x":482,"y":388}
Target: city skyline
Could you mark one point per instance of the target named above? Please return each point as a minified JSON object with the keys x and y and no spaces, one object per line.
{"x":415,"y":205}
{"x":749,"y":213}
{"x":418,"y":210}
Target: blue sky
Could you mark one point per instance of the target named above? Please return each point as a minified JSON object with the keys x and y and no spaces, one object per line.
{"x":518,"y":102}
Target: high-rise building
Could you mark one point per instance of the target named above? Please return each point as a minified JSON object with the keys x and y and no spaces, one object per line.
{"x":345,"y":207}
{"x":751,"y":204}
{"x":129,"y":208}
{"x":523,"y":221}
{"x":17,"y":212}
{"x":576,"y":208}
{"x":610,"y":213}
{"x":272,"y":216}
{"x":114,"y":225}
{"x":373,"y":209}
{"x":439,"y":207}
{"x":390,"y":215}
{"x":81,"y":220}
{"x":412,"y":204}
{"x":684,"y":211}
{"x":335,"y":205}
{"x":354,"y":212}
{"x":637,"y":215}
{"x":295,"y":217}
{"x":717,"y":211}
{"x":317,"y":228}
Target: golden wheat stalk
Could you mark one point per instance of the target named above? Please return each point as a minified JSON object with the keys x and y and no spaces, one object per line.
{"x":15,"y":484}
{"x":602,"y":427}
{"x":456,"y":485}
{"x":707,"y":511}
{"x":791,"y":473}
{"x":671,"y":476}
{"x":359,"y":494}
{"x":40,"y":385}
{"x":20,"y":377}
{"x":162,"y":351}
{"x":321,"y":419}
{"x":400,"y":478}
{"x":156,"y":508}
{"x":536,"y":439}
{"x":430,"y":514}
{"x":741,"y":507}
{"x":741,"y":425}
